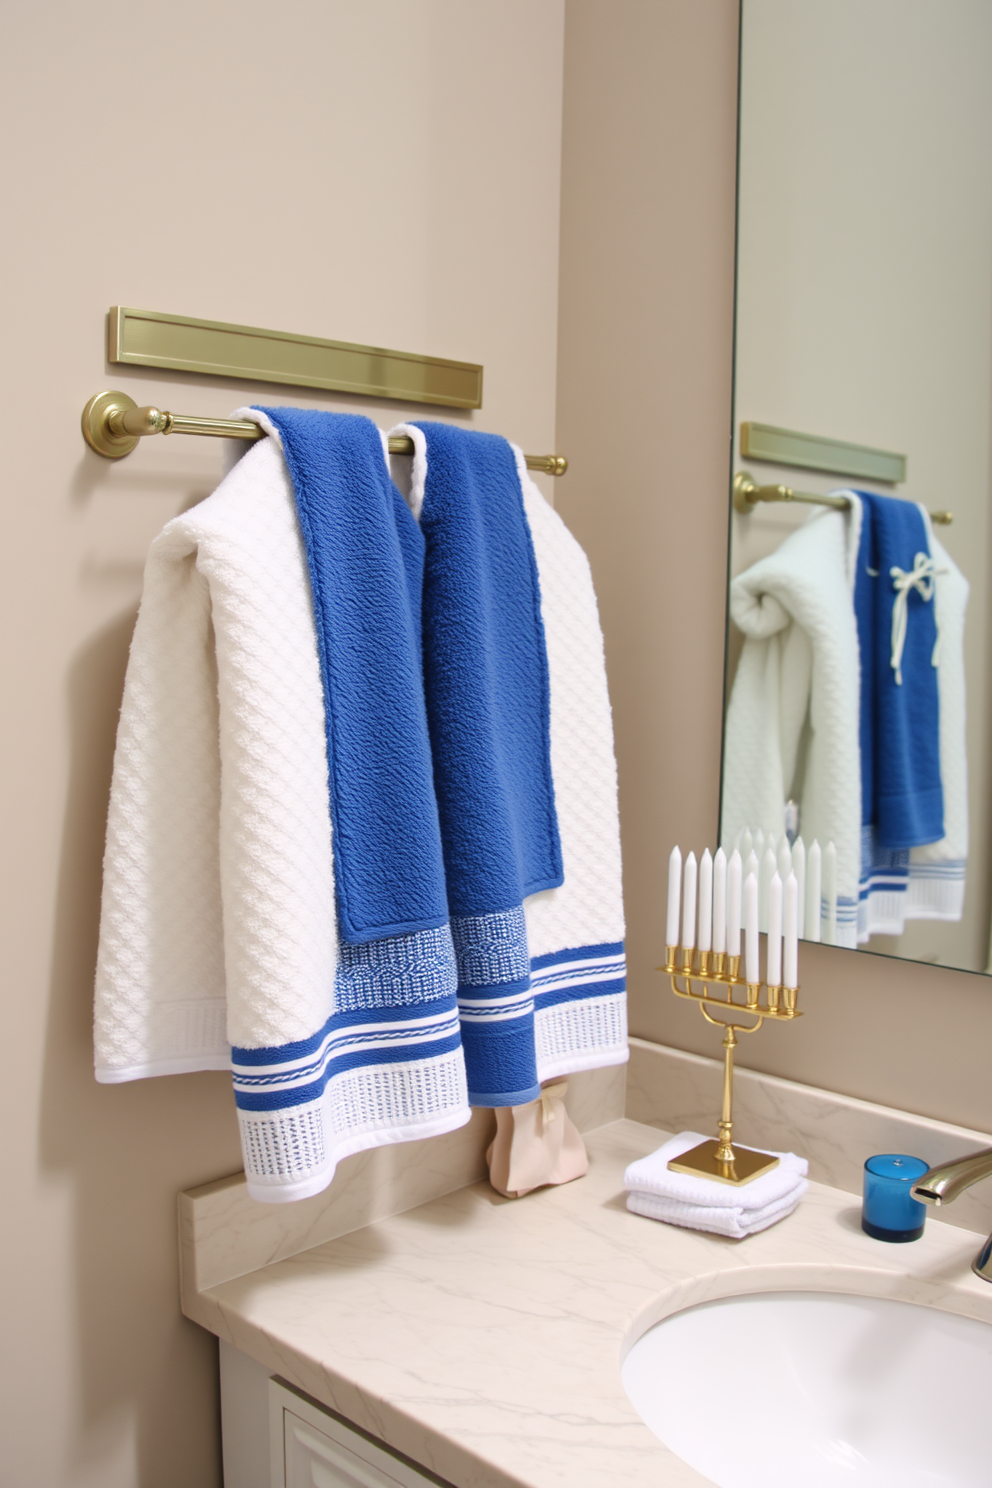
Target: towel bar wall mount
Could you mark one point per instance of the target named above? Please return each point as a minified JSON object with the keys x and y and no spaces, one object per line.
{"x":113,"y":424}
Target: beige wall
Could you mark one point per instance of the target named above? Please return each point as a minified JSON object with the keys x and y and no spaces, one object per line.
{"x":385,"y":172}
{"x":864,"y":306}
{"x":644,"y":413}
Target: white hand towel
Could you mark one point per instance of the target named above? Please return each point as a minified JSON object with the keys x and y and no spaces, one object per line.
{"x":703,"y":1204}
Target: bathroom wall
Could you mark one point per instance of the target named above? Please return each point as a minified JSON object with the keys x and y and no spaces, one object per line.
{"x":385,"y":172}
{"x":644,"y":413}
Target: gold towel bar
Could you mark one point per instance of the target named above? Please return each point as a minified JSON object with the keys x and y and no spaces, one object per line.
{"x":113,"y":423}
{"x":747,"y":494}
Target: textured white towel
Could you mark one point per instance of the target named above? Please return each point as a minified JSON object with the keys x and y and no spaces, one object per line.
{"x":704,"y":1204}
{"x":219,"y":923}
{"x":575,"y":932}
{"x":798,"y":679}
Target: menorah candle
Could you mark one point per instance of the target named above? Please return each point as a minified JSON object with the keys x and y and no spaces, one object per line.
{"x":689,"y":903}
{"x":734,"y":905}
{"x":813,"y":868}
{"x":759,"y":846}
{"x":752,"y":947}
{"x":830,"y":891}
{"x":750,"y":864}
{"x":768,"y":869}
{"x":706,"y":901}
{"x":720,"y":902}
{"x":674,"y":896}
{"x":773,"y":974}
{"x":746,"y":844}
{"x":790,"y":933}
{"x":799,"y":869}
{"x":784,"y":857}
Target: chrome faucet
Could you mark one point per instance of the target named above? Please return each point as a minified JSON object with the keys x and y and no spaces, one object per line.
{"x":945,"y":1183}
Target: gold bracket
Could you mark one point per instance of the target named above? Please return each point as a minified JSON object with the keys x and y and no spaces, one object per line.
{"x":97,"y":429}
{"x":719,"y":1160}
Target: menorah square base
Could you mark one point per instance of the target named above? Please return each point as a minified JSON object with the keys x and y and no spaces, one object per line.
{"x":703,"y":1162}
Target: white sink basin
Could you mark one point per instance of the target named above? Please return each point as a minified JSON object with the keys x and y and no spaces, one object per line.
{"x":813,"y":1390}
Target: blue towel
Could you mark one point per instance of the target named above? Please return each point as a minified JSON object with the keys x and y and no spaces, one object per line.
{"x":366,"y":556}
{"x":486,"y":679}
{"x":902,"y":797}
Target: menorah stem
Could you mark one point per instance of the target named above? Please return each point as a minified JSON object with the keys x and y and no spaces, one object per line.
{"x":725,"y":1152}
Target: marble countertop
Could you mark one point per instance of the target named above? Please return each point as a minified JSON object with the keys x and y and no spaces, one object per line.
{"x":482,"y":1337}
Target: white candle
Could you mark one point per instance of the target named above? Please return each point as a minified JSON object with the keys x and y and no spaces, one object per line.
{"x":746,"y":844}
{"x":751,"y":942}
{"x":813,"y":892}
{"x":784,"y":859}
{"x":799,"y":869}
{"x":790,"y":933}
{"x":674,"y":896}
{"x":768,"y":869}
{"x":706,"y":901}
{"x":759,"y":846}
{"x":734,"y":905}
{"x":720,"y":901}
{"x":751,"y":866}
{"x":830,"y":891}
{"x":689,"y":903}
{"x":774,"y":962}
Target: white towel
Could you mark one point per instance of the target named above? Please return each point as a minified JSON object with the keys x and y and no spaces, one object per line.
{"x":703,"y":1203}
{"x":575,"y":932}
{"x":798,"y":678}
{"x":219,"y":923}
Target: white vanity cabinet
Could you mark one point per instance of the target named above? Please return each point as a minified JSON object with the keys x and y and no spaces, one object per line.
{"x":275,"y":1438}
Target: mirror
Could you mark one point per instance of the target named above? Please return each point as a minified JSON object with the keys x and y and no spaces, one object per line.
{"x":859,"y":691}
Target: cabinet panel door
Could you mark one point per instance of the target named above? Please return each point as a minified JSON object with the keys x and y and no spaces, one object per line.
{"x":313,"y":1460}
{"x":311,"y":1448}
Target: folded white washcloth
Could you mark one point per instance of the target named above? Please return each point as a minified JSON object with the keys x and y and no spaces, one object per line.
{"x":701,"y":1203}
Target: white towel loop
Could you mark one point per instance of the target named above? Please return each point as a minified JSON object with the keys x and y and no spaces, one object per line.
{"x":921,"y":578}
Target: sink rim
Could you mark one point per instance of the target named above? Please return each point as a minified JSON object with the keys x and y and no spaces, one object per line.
{"x":961,"y":1296}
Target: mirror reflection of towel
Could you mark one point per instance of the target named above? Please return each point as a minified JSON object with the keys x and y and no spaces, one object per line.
{"x":793,"y":724}
{"x":901,"y":792}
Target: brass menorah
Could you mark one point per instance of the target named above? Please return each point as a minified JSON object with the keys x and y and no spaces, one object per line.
{"x":724,"y":990}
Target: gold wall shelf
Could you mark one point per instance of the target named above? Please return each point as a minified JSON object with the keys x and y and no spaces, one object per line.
{"x":810,"y":452}
{"x":180,"y":343}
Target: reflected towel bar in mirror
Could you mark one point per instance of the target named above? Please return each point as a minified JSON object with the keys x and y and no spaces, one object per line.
{"x":747,"y":494}
{"x":113,"y":423}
